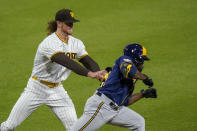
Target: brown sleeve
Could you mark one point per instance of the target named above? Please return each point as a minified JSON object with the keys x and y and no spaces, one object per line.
{"x":89,"y":63}
{"x":65,"y":61}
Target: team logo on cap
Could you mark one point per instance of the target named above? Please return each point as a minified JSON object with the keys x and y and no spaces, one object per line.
{"x":144,"y":51}
{"x":72,"y":14}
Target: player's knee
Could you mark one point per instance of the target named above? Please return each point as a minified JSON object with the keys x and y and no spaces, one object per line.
{"x":140,"y":123}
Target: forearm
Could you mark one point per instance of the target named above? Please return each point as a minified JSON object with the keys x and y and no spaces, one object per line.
{"x":135,"y":98}
{"x":65,"y":61}
{"x":90,"y":64}
{"x":140,"y":76}
{"x":147,"y":81}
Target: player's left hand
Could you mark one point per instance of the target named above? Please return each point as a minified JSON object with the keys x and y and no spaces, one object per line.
{"x":149,"y":93}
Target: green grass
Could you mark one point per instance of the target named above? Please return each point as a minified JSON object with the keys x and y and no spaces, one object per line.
{"x":167,"y":28}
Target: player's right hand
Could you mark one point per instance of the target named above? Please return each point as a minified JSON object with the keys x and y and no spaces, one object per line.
{"x":99,"y":75}
{"x":148,"y":81}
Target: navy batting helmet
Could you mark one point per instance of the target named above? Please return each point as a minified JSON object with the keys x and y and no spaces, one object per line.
{"x":136,"y":52}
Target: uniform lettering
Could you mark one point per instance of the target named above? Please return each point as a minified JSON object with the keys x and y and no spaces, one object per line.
{"x":71,"y":55}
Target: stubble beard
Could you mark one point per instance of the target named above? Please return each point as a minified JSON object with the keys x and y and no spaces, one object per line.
{"x":68,"y":32}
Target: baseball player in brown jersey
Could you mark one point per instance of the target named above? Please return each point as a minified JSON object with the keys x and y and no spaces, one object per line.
{"x":53,"y":63}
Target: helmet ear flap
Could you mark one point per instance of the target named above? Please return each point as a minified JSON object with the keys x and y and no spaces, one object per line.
{"x":139,"y":60}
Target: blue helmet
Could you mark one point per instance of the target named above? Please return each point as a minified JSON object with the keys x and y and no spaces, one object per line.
{"x":136,"y":52}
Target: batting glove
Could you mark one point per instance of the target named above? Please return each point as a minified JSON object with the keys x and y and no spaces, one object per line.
{"x":148,"y":81}
{"x":149,"y":93}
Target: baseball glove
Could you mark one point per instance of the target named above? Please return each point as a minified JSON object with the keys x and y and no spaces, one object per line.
{"x":149,"y":93}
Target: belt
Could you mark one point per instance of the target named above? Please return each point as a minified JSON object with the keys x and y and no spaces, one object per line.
{"x":49,"y":84}
{"x":111,"y":104}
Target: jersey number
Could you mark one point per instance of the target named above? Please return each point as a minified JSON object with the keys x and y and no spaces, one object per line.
{"x":71,"y":55}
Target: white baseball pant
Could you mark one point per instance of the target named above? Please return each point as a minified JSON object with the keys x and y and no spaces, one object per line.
{"x":98,"y":112}
{"x":37,"y":94}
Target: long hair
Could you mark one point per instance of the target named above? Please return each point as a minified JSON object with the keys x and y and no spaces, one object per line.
{"x":52,"y":27}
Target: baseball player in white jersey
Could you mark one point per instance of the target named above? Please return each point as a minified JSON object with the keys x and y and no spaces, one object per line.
{"x":53,"y":64}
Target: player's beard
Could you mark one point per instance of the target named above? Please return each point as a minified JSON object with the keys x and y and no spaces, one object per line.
{"x":140,"y":67}
{"x":69,"y":31}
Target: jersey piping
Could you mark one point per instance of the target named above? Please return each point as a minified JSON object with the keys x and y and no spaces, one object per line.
{"x":61,"y":38}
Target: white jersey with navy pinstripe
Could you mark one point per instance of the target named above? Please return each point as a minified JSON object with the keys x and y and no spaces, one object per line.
{"x":44,"y":68}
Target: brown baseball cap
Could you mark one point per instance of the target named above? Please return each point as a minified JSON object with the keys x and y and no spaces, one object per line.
{"x":65,"y":15}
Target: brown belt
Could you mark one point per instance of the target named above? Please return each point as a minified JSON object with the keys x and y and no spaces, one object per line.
{"x":49,"y":84}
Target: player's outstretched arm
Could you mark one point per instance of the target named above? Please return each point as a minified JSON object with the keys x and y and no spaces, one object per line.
{"x":147,"y":81}
{"x":135,"y":97}
{"x":89,"y":63}
{"x":129,"y":70}
{"x":148,"y":93}
{"x":65,"y":61}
